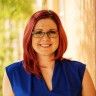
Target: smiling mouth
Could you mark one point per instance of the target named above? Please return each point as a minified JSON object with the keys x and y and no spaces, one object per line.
{"x":45,"y":45}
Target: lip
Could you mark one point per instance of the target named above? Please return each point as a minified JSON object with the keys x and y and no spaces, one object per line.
{"x":45,"y":45}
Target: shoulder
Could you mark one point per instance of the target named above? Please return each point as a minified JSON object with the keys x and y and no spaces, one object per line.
{"x":15,"y":71}
{"x":14,"y":66}
{"x":72,"y":63}
{"x":74,"y":68}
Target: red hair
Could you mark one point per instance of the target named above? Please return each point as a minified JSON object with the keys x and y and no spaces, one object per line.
{"x":30,"y":58}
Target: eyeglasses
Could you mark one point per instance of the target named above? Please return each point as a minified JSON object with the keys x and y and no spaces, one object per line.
{"x":40,"y":34}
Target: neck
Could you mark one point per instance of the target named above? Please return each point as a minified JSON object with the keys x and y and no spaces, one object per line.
{"x":46,"y":61}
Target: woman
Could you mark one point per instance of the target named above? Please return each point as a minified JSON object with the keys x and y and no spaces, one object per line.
{"x":44,"y":72}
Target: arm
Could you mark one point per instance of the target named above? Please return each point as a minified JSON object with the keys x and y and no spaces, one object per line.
{"x":6,"y":86}
{"x":88,"y":88}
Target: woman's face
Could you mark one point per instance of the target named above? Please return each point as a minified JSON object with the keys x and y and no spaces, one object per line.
{"x":45,"y":38}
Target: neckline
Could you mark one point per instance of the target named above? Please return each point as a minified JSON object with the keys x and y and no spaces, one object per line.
{"x":45,"y":85}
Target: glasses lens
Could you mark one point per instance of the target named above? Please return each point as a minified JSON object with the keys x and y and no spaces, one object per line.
{"x":37,"y":34}
{"x":52,"y":33}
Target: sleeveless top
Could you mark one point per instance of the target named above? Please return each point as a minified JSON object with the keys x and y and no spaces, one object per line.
{"x":66,"y":80}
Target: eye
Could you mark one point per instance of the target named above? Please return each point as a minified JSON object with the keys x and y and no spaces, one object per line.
{"x":38,"y":32}
{"x":52,"y":32}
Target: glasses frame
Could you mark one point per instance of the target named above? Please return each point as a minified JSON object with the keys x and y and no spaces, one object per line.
{"x":45,"y":33}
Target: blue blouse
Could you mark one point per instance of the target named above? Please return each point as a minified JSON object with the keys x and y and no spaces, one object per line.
{"x":66,"y":80}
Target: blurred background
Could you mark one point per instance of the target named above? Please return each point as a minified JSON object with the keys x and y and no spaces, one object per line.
{"x":78,"y":19}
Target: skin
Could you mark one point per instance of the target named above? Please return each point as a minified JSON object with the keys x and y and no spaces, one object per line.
{"x":45,"y":56}
{"x":6,"y":86}
{"x":88,"y":87}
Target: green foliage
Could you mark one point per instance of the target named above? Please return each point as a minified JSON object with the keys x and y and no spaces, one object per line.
{"x":12,"y":14}
{"x":17,"y":8}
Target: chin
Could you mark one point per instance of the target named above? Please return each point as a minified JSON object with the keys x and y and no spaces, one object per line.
{"x":46,"y":54}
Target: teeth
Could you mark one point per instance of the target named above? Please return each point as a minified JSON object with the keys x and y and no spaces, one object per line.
{"x":45,"y":45}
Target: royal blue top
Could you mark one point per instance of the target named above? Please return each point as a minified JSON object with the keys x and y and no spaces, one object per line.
{"x":66,"y":80}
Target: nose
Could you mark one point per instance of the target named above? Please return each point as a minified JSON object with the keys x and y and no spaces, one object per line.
{"x":46,"y":37}
{"x":45,"y":34}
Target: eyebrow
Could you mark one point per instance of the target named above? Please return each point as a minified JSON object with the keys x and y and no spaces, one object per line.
{"x":42,"y":29}
{"x":38,"y":29}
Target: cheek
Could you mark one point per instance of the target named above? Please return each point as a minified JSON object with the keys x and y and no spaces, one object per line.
{"x":56,"y":43}
{"x":34,"y":42}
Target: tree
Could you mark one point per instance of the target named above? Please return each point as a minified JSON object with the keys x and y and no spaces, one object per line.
{"x":12,"y":14}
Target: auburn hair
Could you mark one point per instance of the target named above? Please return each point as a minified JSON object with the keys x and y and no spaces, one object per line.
{"x":29,"y":55}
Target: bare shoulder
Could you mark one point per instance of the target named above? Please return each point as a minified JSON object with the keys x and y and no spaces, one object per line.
{"x":6,"y":86}
{"x":88,"y":88}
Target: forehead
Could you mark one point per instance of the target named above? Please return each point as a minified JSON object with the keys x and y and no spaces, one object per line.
{"x":46,"y":24}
